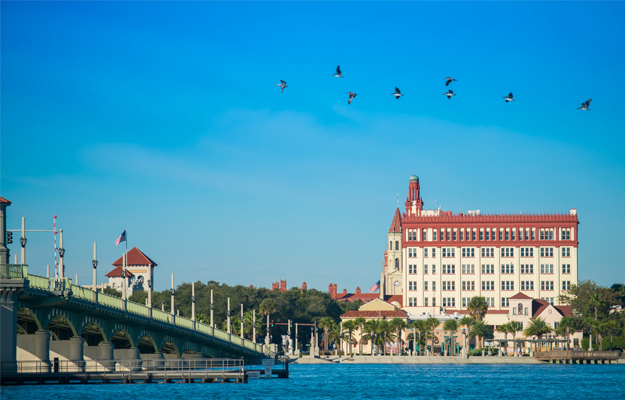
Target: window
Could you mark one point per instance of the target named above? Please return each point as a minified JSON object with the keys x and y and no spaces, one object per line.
{"x":433,"y":301}
{"x":546,"y":285}
{"x":410,"y":235}
{"x":425,"y":269}
{"x":488,"y":268}
{"x":397,"y":264}
{"x":488,"y":285}
{"x":468,"y":285}
{"x":468,"y":268}
{"x":566,"y":234}
{"x":548,"y":299}
{"x":500,"y":235}
{"x":433,"y":269}
{"x":527,"y":285}
{"x":424,"y":235}
{"x":461,"y":234}
{"x":412,"y":269}
{"x":433,"y":286}
{"x":453,"y":235}
{"x":465,"y":301}
{"x":566,"y":285}
{"x":513,"y":234}
{"x":546,"y":234}
{"x":468,"y":252}
{"x":449,"y":269}
{"x":520,"y":308}
{"x":490,"y":301}
{"x":390,"y":245}
{"x":396,"y":245}
{"x":533,"y":234}
{"x":546,"y":251}
{"x":412,"y":252}
{"x":507,"y":269}
{"x":566,"y":252}
{"x":507,"y":251}
{"x":434,"y":252}
{"x":507,"y":285}
{"x":546,"y":268}
{"x":449,"y":285}
{"x":473,"y":235}
{"x":481,"y":235}
{"x":412,"y":301}
{"x":434,"y":234}
{"x":527,"y":268}
{"x":449,"y":301}
{"x":447,"y":236}
{"x":527,"y":235}
{"x":566,"y":268}
{"x":505,"y":302}
{"x":488,"y":234}
{"x":425,"y":286}
{"x":507,"y":235}
{"x":425,"y":252}
{"x":448,"y":252}
{"x":488,"y":252}
{"x":426,"y":302}
{"x":576,"y":342}
{"x":412,"y":285}
{"x":527,"y":252}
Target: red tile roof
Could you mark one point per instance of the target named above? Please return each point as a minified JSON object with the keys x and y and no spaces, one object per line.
{"x":364,"y":297}
{"x":375,"y":314}
{"x":520,"y":296}
{"x":396,"y":297}
{"x":396,"y":225}
{"x":135,"y":257}
{"x":4,"y":201}
{"x":117,"y":272}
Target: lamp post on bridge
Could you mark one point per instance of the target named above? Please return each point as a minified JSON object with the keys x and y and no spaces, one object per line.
{"x":61,"y":255}
{"x":23,"y":242}
{"x":95,"y":278}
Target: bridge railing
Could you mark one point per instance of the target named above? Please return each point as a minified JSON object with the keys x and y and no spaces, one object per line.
{"x":16,"y":271}
{"x":13,"y":271}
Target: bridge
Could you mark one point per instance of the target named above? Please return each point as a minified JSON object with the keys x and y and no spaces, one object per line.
{"x":48,"y":321}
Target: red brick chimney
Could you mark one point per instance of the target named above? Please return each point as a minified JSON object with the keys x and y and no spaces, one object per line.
{"x":283,"y":285}
{"x":304,"y":287}
{"x":274,"y":286}
{"x":358,"y":290}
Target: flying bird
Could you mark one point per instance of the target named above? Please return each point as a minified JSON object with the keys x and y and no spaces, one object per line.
{"x":282,"y":85}
{"x":585,"y":105}
{"x":338,"y":74}
{"x":397,"y":93}
{"x":449,"y":80}
{"x":351,"y":97}
{"x":508,"y":97}
{"x":449,"y":94}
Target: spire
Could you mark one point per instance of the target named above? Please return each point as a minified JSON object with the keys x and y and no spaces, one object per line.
{"x":396,"y":225}
{"x":414,"y":202}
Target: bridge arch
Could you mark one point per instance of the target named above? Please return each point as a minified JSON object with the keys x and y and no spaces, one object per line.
{"x":147,"y":345}
{"x":57,"y":314}
{"x":27,"y":321}
{"x":61,"y":328}
{"x":93,"y":334}
{"x":122,"y":340}
{"x":170,"y":345}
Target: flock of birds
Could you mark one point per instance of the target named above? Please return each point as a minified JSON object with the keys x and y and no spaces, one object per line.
{"x":585,"y":105}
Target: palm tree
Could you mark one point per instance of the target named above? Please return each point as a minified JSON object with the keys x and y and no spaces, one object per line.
{"x":477,"y":308}
{"x":451,"y":326}
{"x":537,"y":327}
{"x":350,"y":327}
{"x":466,"y":322}
{"x":326,"y":323}
{"x":481,"y":330}
{"x":360,"y":323}
{"x":588,"y":324}
{"x":505,"y":329}
{"x":419,"y":326}
{"x":596,"y":301}
{"x":431,"y":324}
{"x":566,"y":326}
{"x":398,"y":324}
{"x":515,"y":327}
{"x":371,"y":329}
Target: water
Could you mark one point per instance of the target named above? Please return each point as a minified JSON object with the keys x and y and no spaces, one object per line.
{"x":371,"y":381}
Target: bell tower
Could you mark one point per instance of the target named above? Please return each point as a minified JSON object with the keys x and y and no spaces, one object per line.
{"x":393,"y":270}
{"x":414,"y":204}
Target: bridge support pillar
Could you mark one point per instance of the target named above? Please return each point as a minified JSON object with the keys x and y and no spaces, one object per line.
{"x":35,"y":350}
{"x":9,"y":290}
{"x":128,"y":359}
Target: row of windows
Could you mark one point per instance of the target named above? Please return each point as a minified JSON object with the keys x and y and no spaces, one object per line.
{"x":490,"y":285}
{"x":490,"y":269}
{"x":490,"y":301}
{"x":472,"y":234}
{"x":469,"y":252}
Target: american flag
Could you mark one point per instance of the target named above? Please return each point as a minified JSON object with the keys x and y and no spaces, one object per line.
{"x":122,"y":238}
{"x":375,"y":287}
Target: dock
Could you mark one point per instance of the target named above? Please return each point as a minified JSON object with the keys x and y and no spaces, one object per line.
{"x":577,"y":357}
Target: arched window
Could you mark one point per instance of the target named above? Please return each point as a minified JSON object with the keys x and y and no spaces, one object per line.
{"x":390,"y":245}
{"x":520,"y":307}
{"x":396,"y":245}
{"x":397,"y":263}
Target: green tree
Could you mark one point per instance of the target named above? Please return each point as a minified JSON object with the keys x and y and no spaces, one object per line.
{"x":480,"y":330}
{"x":505,"y":329}
{"x":430,"y":325}
{"x":590,"y":300}
{"x":326,"y":323}
{"x":349,"y":326}
{"x":360,"y":323}
{"x":451,"y":326}
{"x":567,"y":326}
{"x":515,"y":327}
{"x":419,"y":326}
{"x":398,"y":324}
{"x":466,"y":322}
{"x":537,"y":327}
{"x":477,"y":308}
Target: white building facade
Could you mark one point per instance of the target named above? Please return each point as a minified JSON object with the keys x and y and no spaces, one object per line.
{"x":438,"y":261}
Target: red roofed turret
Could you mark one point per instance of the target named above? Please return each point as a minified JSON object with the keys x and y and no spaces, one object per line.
{"x":396,"y":225}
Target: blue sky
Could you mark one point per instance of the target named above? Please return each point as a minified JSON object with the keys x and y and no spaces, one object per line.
{"x":164,"y":117}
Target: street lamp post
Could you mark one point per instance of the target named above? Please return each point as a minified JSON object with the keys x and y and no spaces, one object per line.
{"x":61,"y":255}
{"x":590,"y":338}
{"x":23,"y":242}
{"x":150,"y":294}
{"x":95,"y":274}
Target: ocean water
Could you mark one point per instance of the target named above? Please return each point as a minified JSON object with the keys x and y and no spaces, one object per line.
{"x":371,"y":381}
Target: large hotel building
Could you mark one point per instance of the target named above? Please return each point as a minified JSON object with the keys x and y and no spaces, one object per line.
{"x":438,"y":261}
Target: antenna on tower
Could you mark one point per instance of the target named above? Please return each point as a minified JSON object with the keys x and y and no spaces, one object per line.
{"x":397,"y":200}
